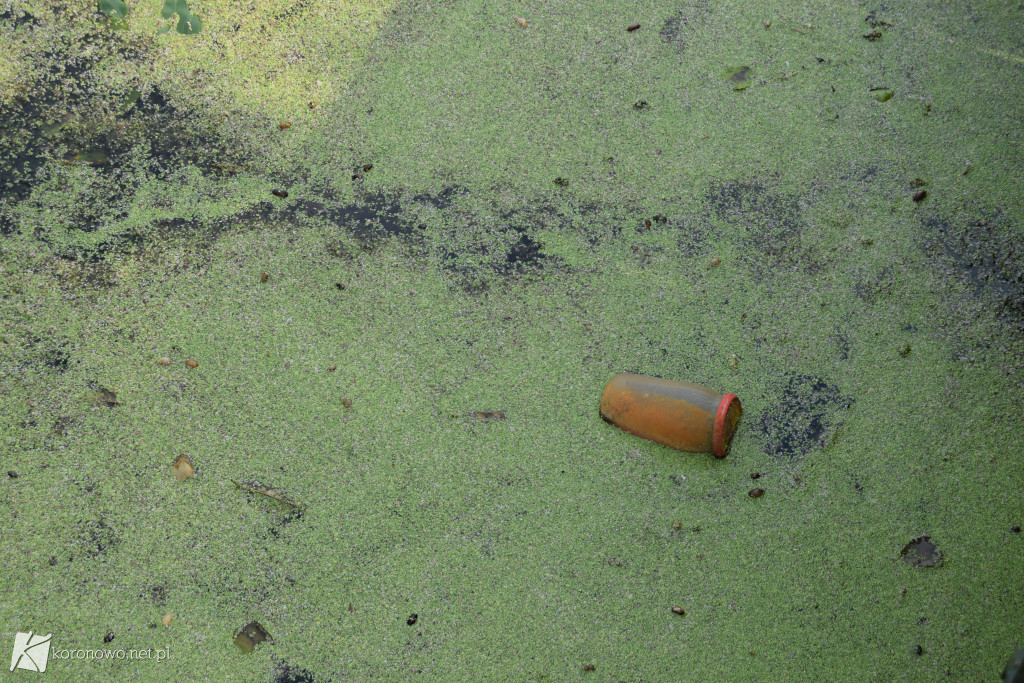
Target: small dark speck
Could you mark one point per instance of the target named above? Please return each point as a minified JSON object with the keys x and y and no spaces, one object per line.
{"x":589,"y":667}
{"x":339,"y":285}
{"x":632,"y":27}
{"x":109,"y":637}
{"x":12,"y":474}
{"x":920,"y":195}
{"x":755,"y":475}
{"x":919,"y":650}
{"x":1015,"y":529}
{"x":756,"y":493}
{"x":281,"y":194}
{"x":412,"y":619}
{"x":367,"y":167}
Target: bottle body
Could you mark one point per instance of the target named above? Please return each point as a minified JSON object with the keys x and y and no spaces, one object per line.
{"x":681,"y":415}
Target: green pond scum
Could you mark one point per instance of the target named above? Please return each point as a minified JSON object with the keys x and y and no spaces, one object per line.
{"x":528,"y":230}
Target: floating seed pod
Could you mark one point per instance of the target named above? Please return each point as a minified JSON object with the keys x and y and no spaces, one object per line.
{"x":164,"y":360}
{"x":192,"y":363}
{"x":283,"y":194}
{"x":286,"y":125}
{"x":632,"y":27}
{"x":756,"y":493}
{"x":522,"y":22}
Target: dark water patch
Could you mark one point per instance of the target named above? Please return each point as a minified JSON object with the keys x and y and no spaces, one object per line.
{"x":95,"y":538}
{"x":289,"y":673}
{"x":693,"y":235}
{"x":772,"y":225}
{"x":984,"y":252}
{"x":870,"y":287}
{"x":17,"y":17}
{"x":802,"y":418}
{"x":921,"y":552}
{"x":526,"y":253}
{"x":681,"y":28}
{"x":57,"y":359}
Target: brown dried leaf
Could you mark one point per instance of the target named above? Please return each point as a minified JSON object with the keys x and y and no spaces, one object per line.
{"x":183,"y":468}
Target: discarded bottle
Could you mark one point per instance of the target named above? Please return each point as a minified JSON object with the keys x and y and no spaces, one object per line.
{"x":680,"y":415}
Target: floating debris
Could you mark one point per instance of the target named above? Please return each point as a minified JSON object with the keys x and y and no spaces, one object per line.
{"x":192,"y":363}
{"x":367,"y":168}
{"x":640,"y":105}
{"x":93,"y":158}
{"x":632,"y":27}
{"x":252,"y":635}
{"x":715,"y":262}
{"x":488,"y":414}
{"x":874,"y":35}
{"x":286,"y":125}
{"x":413,"y":618}
{"x":183,"y":468}
{"x":755,"y":493}
{"x":167,"y":619}
{"x":264,"y":276}
{"x":164,"y":360}
{"x":589,"y":667}
{"x":561,"y":182}
{"x":882,"y":94}
{"x":280,"y":194}
{"x":268,"y":491}
{"x":522,"y":22}
{"x":755,"y":475}
{"x":919,"y":196}
{"x":345,"y":401}
{"x":679,"y":610}
{"x":921,"y":552}
{"x":740,"y":77}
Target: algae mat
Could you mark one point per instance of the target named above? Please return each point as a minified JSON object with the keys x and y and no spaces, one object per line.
{"x":363,"y":270}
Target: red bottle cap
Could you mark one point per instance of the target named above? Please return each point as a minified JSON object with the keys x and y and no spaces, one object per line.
{"x":728,"y":415}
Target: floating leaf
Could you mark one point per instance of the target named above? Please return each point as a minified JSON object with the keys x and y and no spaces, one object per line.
{"x":252,"y":635}
{"x":189,"y":24}
{"x":740,"y":77}
{"x":268,"y":491}
{"x":170,"y":9}
{"x":115,"y":9}
{"x":104,"y":397}
{"x":183,"y":468}
{"x":882,"y":94}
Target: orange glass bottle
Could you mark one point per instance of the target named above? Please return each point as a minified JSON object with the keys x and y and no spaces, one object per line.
{"x":680,"y":415}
